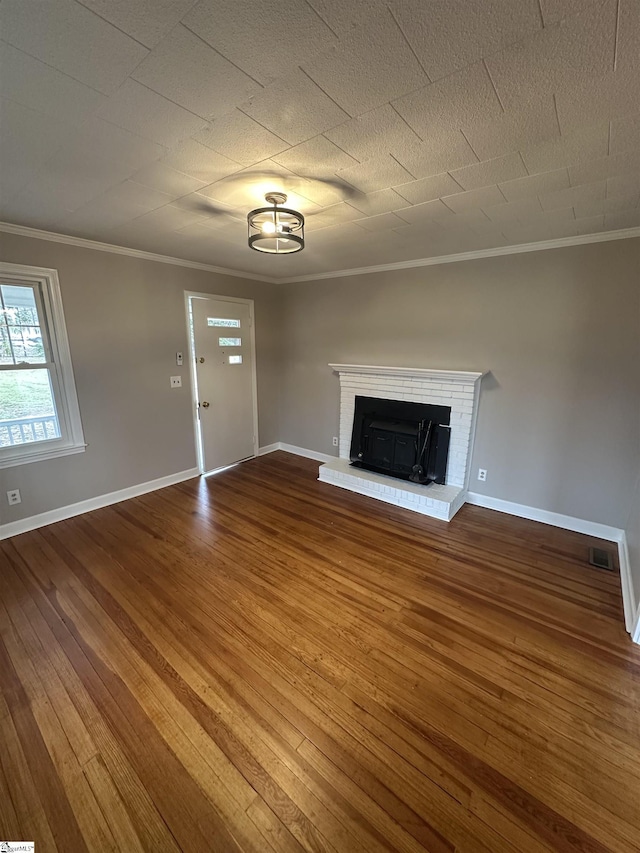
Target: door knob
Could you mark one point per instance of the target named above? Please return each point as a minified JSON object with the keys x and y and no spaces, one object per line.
{"x":201,"y":360}
{"x":205,"y":405}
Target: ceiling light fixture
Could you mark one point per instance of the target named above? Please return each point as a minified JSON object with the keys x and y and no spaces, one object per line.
{"x":276,"y":230}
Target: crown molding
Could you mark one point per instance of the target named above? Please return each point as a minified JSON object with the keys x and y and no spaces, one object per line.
{"x":82,"y":242}
{"x":600,"y":237}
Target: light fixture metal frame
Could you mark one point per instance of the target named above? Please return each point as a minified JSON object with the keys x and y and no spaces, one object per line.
{"x":296,"y":240}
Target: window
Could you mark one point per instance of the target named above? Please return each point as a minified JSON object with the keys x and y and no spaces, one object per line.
{"x":39,"y":415}
{"x":219,"y":321}
{"x":230,"y":342}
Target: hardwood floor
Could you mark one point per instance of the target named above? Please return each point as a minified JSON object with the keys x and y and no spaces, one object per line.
{"x":261,"y":662}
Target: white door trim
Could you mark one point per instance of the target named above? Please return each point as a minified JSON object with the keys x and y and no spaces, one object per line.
{"x":194,"y":294}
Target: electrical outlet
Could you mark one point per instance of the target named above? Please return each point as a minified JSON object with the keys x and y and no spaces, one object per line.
{"x":13,"y":497}
{"x":179,"y":359}
{"x":335,"y":440}
{"x":482,"y":474}
{"x":176,"y":381}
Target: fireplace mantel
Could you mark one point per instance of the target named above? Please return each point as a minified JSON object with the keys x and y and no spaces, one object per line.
{"x":464,"y":376}
{"x":457,"y":389}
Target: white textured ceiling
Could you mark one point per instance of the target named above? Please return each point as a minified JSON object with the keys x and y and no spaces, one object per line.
{"x":403,"y":129}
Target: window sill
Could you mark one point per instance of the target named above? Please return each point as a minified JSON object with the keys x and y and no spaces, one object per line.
{"x":40,"y":455}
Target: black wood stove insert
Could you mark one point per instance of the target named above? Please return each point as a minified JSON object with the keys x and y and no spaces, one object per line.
{"x":402,"y":439}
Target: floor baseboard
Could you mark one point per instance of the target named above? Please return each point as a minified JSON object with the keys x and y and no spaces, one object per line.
{"x":23,"y":525}
{"x":555,"y":519}
{"x":297,"y":451}
{"x":268,"y":448}
{"x":590,"y":528}
{"x":631,"y":613}
{"x":579,"y":525}
{"x":635,"y":631}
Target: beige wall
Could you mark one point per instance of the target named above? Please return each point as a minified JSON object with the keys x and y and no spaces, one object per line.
{"x":559,"y":413}
{"x":559,"y":416}
{"x":126,"y":320}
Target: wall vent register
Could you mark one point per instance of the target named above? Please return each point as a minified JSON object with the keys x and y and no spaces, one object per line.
{"x":601,"y":559}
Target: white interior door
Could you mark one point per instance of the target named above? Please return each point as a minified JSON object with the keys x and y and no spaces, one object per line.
{"x":225,"y":380}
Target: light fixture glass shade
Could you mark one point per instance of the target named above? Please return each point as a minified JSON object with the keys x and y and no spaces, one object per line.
{"x":276,"y":230}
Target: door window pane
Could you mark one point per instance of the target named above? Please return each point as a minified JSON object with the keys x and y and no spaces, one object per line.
{"x":220,"y":321}
{"x":27,"y":409}
{"x":230,"y":342}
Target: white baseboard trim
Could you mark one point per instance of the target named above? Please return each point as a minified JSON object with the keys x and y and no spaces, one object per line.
{"x":579,"y":525}
{"x":310,"y":454}
{"x":635,"y":630}
{"x":268,"y":448}
{"x":298,"y":451}
{"x":631,"y":613}
{"x":555,"y":519}
{"x":23,"y":525}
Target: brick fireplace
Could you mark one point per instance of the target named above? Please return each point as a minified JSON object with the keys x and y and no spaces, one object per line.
{"x":456,"y":389}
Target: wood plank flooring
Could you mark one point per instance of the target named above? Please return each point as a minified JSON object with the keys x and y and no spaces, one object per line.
{"x":261,"y":662}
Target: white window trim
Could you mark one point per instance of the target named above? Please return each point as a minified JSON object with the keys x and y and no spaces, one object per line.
{"x":72,"y":440}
